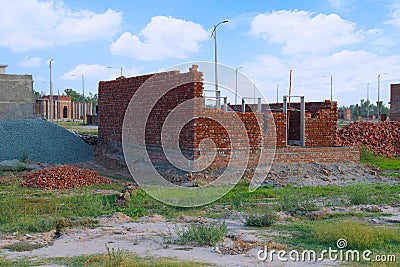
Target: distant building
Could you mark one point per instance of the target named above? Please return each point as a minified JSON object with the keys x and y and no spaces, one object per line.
{"x":16,"y":97}
{"x":344,"y":114}
{"x":395,"y":102}
{"x":64,"y":108}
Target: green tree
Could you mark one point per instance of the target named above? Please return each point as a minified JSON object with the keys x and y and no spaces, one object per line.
{"x":93,"y":98}
{"x":75,"y":96}
{"x":362,"y":109}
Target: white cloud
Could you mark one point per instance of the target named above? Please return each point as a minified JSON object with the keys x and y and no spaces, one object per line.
{"x":351,"y":71}
{"x":395,"y":14}
{"x":34,"y":24}
{"x":342,"y":5}
{"x":303,"y":32}
{"x":31,"y":62}
{"x":98,"y":72}
{"x":336,"y":3}
{"x":164,"y":37}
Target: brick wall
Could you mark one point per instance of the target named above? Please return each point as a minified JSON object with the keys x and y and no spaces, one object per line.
{"x":320,"y":121}
{"x":395,"y":102}
{"x":317,"y":154}
{"x":321,"y":124}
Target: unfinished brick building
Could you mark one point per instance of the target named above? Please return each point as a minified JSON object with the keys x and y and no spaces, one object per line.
{"x":305,"y":132}
{"x":395,"y":102}
{"x":63,"y":108}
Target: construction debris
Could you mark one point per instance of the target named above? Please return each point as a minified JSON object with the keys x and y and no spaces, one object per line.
{"x":380,"y":137}
{"x":62,"y":177}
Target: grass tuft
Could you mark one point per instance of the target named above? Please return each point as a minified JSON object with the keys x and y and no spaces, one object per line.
{"x":297,"y":201}
{"x":208,"y":235}
{"x":358,"y":196}
{"x":261,"y":220}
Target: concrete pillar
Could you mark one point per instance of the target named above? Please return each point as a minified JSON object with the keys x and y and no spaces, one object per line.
{"x":225,"y":104}
{"x":259,"y":104}
{"x":218,"y":99}
{"x":284,"y":104}
{"x":302,"y":121}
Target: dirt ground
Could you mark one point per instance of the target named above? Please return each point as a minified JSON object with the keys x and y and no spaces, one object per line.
{"x":149,"y":236}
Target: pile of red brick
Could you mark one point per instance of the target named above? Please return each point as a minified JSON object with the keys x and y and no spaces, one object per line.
{"x":62,"y":177}
{"x":383,"y":138}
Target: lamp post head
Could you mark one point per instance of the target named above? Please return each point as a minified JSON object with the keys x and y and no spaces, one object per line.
{"x":216,"y":25}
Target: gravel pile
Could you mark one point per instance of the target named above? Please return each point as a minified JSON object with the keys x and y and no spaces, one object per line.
{"x":62,"y":177}
{"x":41,"y":141}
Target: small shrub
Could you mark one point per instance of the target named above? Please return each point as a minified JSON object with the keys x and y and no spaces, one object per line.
{"x":201,"y":234}
{"x":260,"y":220}
{"x":25,"y":155}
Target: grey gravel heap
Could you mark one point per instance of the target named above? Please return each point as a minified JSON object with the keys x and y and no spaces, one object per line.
{"x":41,"y":141}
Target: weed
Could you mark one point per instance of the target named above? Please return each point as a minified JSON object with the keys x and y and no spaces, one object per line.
{"x":358,"y":196}
{"x":261,"y":220}
{"x":115,"y":257}
{"x":201,"y":234}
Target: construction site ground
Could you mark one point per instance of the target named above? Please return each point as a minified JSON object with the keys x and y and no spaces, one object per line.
{"x":312,"y":205}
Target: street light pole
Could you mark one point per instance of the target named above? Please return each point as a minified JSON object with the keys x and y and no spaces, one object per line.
{"x":214,"y":34}
{"x":254,"y":93}
{"x":367,"y":101}
{"x":84,"y":102}
{"x":236,"y":88}
{"x":277,"y":93}
{"x":83,"y":87}
{"x":110,"y":67}
{"x":379,"y":88}
{"x":331,"y":88}
{"x":51,"y":94}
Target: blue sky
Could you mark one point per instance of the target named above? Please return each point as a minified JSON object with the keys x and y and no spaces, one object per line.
{"x":351,"y":40}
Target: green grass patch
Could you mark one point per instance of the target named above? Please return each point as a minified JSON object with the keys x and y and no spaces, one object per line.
{"x":121,"y":258}
{"x":23,"y":246}
{"x":69,"y":123}
{"x":359,"y":235}
{"x":112,"y":258}
{"x":78,"y":126}
{"x":207,"y":234}
{"x":297,"y":200}
{"x":320,"y":235}
{"x":384,"y":163}
{"x":35,"y":210}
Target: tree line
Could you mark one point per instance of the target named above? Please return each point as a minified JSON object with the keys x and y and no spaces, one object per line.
{"x":365,"y":108}
{"x":75,"y":96}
